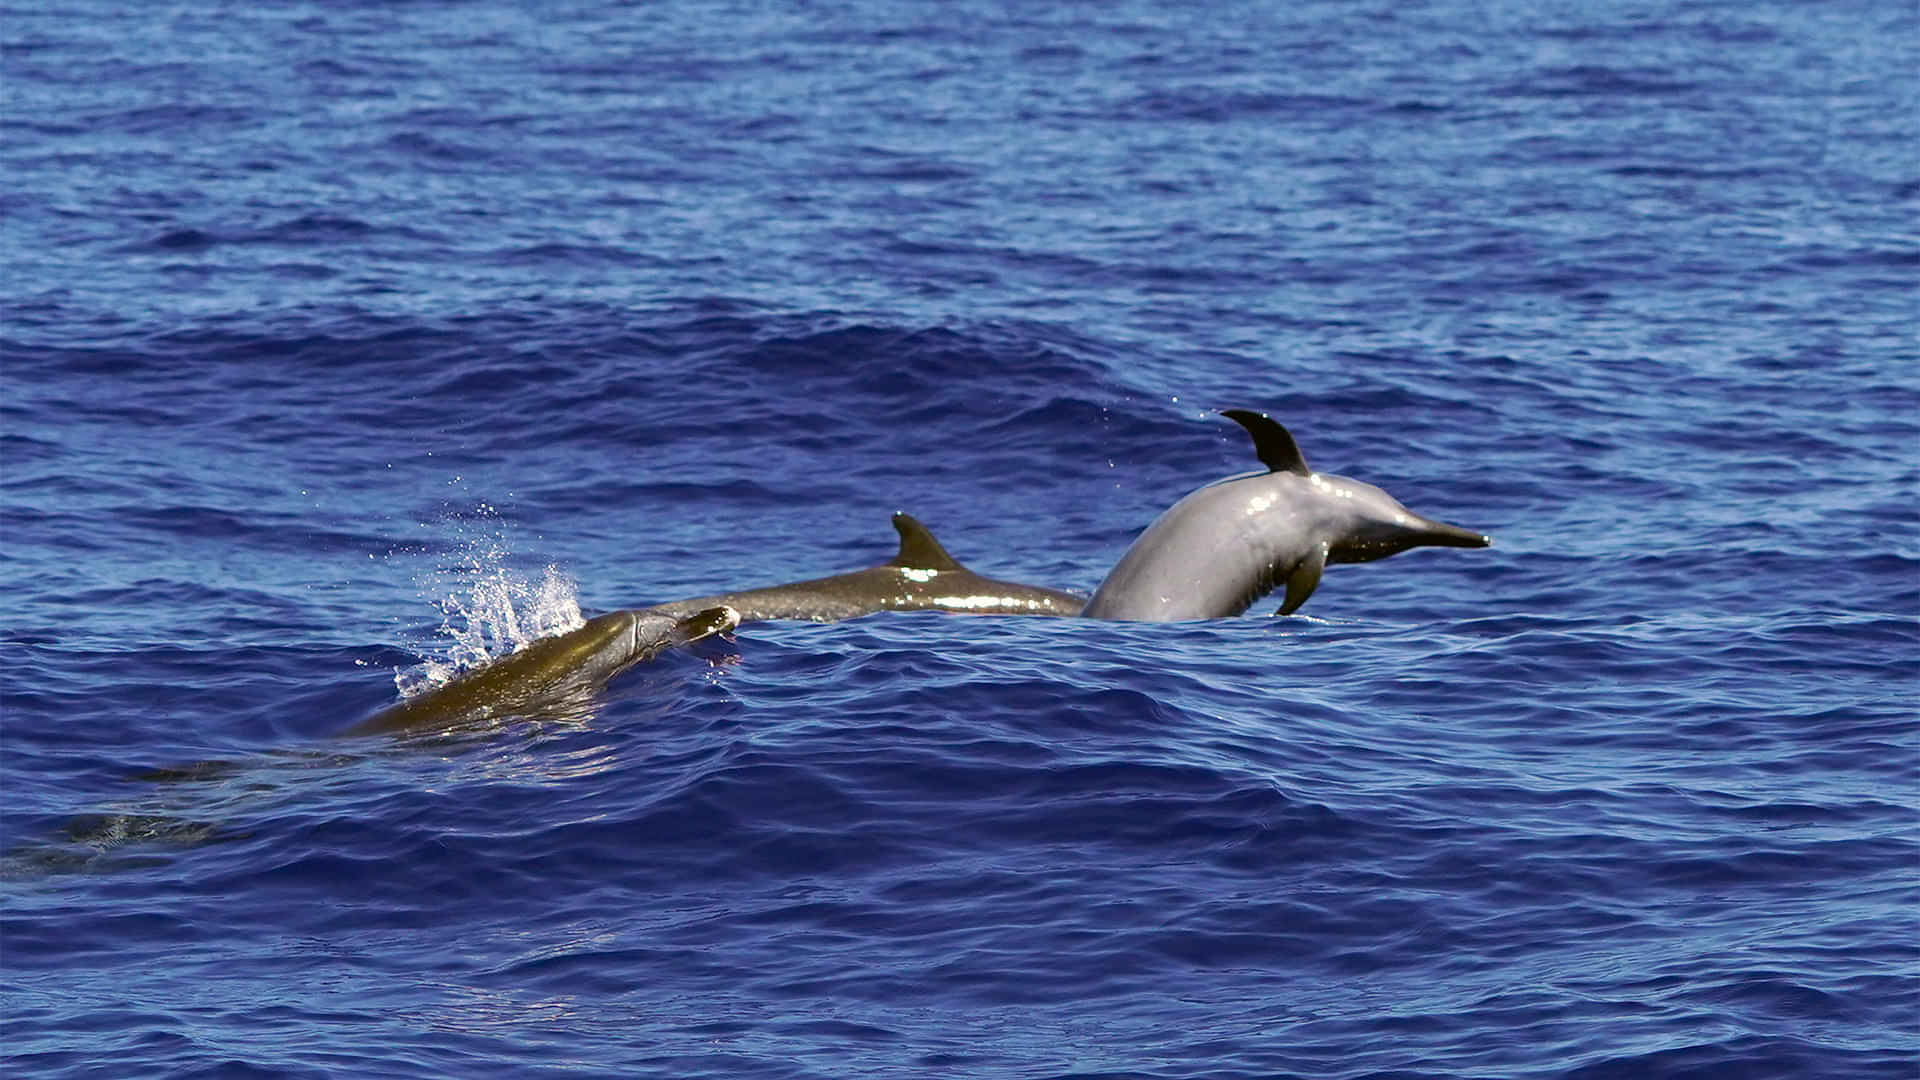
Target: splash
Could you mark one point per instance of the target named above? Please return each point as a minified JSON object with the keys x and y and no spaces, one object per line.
{"x":489,"y":609}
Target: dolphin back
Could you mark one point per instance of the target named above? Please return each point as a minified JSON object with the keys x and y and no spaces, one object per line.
{"x":553,"y":674}
{"x":1201,"y":559}
{"x":922,"y":576}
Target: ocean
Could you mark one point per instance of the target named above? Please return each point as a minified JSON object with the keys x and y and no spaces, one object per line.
{"x":345,"y":345}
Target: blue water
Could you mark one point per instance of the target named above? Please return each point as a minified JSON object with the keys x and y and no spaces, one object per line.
{"x":329,"y":329}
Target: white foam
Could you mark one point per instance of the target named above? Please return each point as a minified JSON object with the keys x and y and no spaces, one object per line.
{"x":488,"y":609}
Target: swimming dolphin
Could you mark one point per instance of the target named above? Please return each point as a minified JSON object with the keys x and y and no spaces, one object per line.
{"x":552,"y":677}
{"x":922,"y":577}
{"x":551,"y":673}
{"x":1221,"y":548}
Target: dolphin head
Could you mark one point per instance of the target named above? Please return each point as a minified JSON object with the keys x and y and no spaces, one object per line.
{"x":1367,"y":523}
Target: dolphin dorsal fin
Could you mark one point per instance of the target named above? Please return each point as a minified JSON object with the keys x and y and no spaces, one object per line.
{"x":918,"y":549}
{"x":1272,"y":443}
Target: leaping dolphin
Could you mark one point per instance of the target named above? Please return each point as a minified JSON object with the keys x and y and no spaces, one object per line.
{"x":922,"y":577}
{"x":549,"y":672}
{"x":1215,"y":552}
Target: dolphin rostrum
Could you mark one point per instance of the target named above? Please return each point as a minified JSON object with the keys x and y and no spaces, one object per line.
{"x":922,"y":577}
{"x":550,"y":674}
{"x":1221,"y":548}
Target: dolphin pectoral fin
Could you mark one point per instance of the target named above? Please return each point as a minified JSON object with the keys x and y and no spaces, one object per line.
{"x":1302,"y":581}
{"x":1272,"y":443}
{"x":918,"y":549}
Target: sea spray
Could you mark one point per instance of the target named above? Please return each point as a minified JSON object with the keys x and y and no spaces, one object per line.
{"x":488,"y":608}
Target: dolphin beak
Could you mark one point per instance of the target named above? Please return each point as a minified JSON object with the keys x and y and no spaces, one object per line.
{"x":1441,"y":534}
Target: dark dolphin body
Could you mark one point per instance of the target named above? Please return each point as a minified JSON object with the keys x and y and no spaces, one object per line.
{"x":557,"y":673}
{"x":553,"y":677}
{"x":1221,"y":548}
{"x":550,"y":673}
{"x":922,"y":577}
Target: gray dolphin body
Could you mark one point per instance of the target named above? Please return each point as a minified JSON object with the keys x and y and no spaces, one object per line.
{"x":1215,"y":552}
{"x":549,"y":674}
{"x":922,"y":577}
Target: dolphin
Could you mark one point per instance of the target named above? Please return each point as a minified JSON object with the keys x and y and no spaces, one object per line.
{"x":922,"y":577}
{"x":552,"y":677}
{"x":551,"y":674}
{"x":1215,"y":552}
